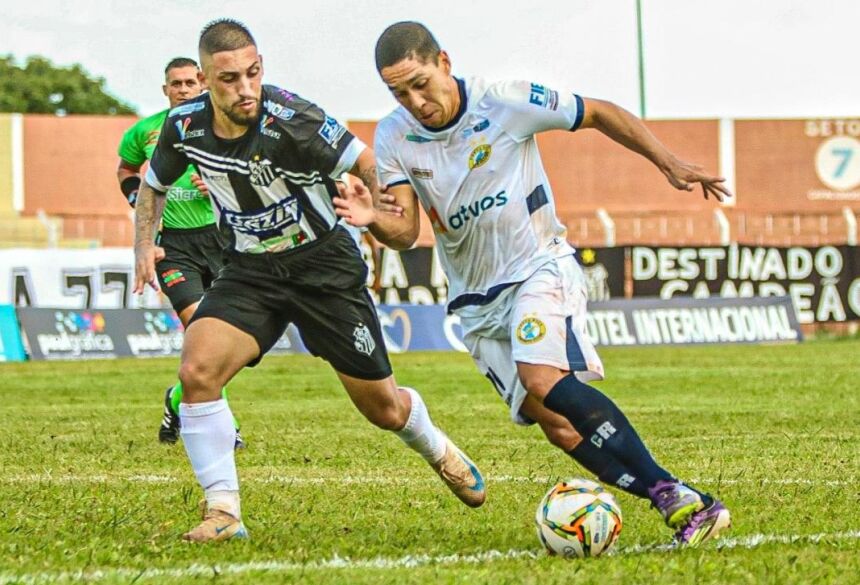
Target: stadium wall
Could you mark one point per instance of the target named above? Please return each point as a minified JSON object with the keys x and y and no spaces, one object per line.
{"x":796,"y":180}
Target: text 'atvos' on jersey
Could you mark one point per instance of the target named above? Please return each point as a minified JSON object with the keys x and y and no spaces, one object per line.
{"x":272,"y":187}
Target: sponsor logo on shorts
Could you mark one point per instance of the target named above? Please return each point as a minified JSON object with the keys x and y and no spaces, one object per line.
{"x":422,"y":173}
{"x":363,"y":340}
{"x":172,"y":277}
{"x":530,"y":330}
{"x":480,"y":156}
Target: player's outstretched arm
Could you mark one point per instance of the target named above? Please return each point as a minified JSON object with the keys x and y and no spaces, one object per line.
{"x":391,"y":215}
{"x":147,"y":215}
{"x":629,"y":131}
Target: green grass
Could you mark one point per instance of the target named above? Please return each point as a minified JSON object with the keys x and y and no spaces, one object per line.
{"x":773,"y":431}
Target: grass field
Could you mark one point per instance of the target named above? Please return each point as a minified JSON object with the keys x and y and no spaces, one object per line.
{"x":88,"y":493}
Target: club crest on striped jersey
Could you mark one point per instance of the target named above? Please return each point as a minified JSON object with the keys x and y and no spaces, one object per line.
{"x":530,"y":330}
{"x":363,"y":340}
{"x":261,"y":172}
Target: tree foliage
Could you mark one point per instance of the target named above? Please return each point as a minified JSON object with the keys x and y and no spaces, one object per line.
{"x":40,"y":87}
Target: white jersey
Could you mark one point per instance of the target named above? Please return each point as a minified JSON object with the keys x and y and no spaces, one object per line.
{"x":481,"y":181}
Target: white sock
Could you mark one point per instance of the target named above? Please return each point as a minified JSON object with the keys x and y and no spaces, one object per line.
{"x":209,"y":437}
{"x":420,"y":433}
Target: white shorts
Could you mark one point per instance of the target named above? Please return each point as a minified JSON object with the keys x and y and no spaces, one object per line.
{"x":545,"y":321}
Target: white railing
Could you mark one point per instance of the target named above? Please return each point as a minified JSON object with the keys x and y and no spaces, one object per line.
{"x":724,"y":226}
{"x":851,"y":224}
{"x":50,"y":228}
{"x":608,"y":226}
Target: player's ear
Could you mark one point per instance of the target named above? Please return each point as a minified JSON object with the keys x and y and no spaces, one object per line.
{"x":201,"y":77}
{"x":445,"y":62}
{"x":164,"y":89}
{"x":260,"y":57}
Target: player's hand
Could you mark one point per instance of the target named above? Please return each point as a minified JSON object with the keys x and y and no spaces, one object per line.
{"x":201,"y":186}
{"x":387,"y":203}
{"x":355,"y":204}
{"x":684,"y":175}
{"x":145,"y":259}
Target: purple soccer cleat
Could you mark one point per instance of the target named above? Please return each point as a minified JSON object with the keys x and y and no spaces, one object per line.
{"x":676,"y":502}
{"x":704,"y":525}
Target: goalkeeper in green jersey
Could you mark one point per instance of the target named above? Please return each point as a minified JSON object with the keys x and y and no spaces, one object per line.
{"x":189,"y":235}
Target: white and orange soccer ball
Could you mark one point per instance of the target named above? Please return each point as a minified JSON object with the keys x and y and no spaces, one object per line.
{"x":578,"y":518}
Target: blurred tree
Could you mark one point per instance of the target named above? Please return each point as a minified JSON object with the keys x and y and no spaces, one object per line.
{"x":40,"y":87}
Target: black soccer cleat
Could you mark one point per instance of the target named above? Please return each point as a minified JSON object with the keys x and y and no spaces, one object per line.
{"x":168,"y":432}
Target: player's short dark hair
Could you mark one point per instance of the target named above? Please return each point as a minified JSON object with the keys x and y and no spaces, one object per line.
{"x":178,"y":62}
{"x":404,"y":40}
{"x":224,"y":34}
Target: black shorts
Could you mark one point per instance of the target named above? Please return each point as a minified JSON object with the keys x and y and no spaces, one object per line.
{"x":320,"y":288}
{"x":193,"y":258}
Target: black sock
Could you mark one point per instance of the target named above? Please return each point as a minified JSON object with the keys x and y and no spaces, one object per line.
{"x":607,"y":469}
{"x":604,"y":426}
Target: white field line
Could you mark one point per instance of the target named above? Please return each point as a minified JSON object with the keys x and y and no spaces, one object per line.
{"x":385,"y":563}
{"x":37,"y":478}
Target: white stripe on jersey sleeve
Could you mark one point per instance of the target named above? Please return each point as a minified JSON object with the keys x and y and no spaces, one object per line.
{"x":348,"y":158}
{"x":388,"y":166}
{"x":526,"y":108}
{"x":152,"y":180}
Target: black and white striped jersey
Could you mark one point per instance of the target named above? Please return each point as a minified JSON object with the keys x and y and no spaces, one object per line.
{"x":271,"y":189}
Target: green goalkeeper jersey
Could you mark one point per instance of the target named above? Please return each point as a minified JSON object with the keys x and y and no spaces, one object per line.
{"x":186,"y":207}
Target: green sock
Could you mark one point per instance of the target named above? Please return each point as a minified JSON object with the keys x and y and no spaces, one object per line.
{"x":176,"y":398}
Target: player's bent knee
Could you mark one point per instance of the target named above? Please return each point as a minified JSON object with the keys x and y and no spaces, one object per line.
{"x":388,"y":418}
{"x":200,"y":382}
{"x":538,"y":386}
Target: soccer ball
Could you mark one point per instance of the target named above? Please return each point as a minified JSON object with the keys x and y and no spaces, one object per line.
{"x":578,"y":518}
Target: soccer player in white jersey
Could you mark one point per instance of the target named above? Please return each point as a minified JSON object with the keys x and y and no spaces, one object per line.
{"x":466,"y":150}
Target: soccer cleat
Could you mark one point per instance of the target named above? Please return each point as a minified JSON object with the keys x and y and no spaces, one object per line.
{"x":461,"y":475}
{"x":168,"y":432}
{"x":217,"y":525}
{"x":704,"y":525}
{"x":675,"y":501}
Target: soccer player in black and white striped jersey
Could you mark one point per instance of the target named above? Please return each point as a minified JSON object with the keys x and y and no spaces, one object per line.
{"x":270,"y":159}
